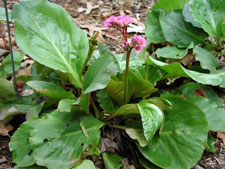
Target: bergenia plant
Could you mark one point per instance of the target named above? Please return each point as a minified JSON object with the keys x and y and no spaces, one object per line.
{"x":121,"y":24}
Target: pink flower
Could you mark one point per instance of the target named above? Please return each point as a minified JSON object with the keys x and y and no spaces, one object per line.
{"x":111,"y":20}
{"x":138,"y":39}
{"x":124,"y":20}
{"x":137,"y":48}
{"x":125,"y":44}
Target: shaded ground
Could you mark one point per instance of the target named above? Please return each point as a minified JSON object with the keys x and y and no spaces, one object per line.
{"x":90,"y":15}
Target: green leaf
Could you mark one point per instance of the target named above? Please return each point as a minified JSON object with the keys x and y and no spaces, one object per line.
{"x":176,"y":70}
{"x":50,"y":90}
{"x":65,"y":105}
{"x":137,"y":134}
{"x":3,"y":16}
{"x":179,"y":32}
{"x":147,"y":164}
{"x":214,"y":114}
{"x":161,"y":103}
{"x":61,"y":145}
{"x":31,"y":167}
{"x":169,"y":5}
{"x":6,"y":66}
{"x":182,"y":139}
{"x":151,"y":72}
{"x":7,"y":91}
{"x":31,"y":105}
{"x":210,"y":14}
{"x":152,"y":118}
{"x":19,"y":144}
{"x":207,"y":60}
{"x":188,"y":17}
{"x":125,"y":110}
{"x":137,"y":87}
{"x":189,"y":89}
{"x":112,"y":161}
{"x":153,"y":28}
{"x":171,"y":52}
{"x":106,"y":102}
{"x":47,"y":33}
{"x":83,"y":102}
{"x":86,"y":164}
{"x":210,"y":146}
{"x":98,"y":74}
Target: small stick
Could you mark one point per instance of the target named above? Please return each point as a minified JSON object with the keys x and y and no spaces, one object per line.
{"x":10,"y":47}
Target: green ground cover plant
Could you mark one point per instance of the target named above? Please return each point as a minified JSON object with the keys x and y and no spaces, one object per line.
{"x":80,"y":86}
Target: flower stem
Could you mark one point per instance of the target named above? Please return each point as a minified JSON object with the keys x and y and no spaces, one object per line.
{"x":126,"y":77}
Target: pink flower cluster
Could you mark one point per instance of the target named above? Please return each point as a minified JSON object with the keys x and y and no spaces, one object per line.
{"x":137,"y":43}
{"x":121,"y":23}
{"x":114,"y":21}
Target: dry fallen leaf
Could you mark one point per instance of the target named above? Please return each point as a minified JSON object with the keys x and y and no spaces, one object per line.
{"x":126,"y":164}
{"x":88,"y":8}
{"x":107,"y":145}
{"x":5,"y":128}
{"x":136,"y":28}
{"x":221,"y":135}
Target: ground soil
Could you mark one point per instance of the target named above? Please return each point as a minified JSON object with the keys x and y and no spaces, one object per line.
{"x":89,"y":16}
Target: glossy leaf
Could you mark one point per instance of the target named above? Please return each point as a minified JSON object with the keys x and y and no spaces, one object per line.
{"x":153,"y":28}
{"x":214,"y":114}
{"x":137,"y":134}
{"x":207,"y":60}
{"x":188,"y":17}
{"x":182,"y":139}
{"x":210,"y":14}
{"x":112,"y":161}
{"x":31,"y":105}
{"x":19,"y":145}
{"x":210,"y":146}
{"x":47,"y":33}
{"x":179,"y":32}
{"x":151,"y":73}
{"x":152,"y":118}
{"x":50,"y":90}
{"x":61,"y":145}
{"x":98,"y":74}
{"x":31,"y":167}
{"x":147,"y":164}
{"x":176,"y":70}
{"x":125,"y":110}
{"x":3,"y":16}
{"x":169,"y":5}
{"x":7,"y":91}
{"x":171,"y":52}
{"x":137,"y":87}
{"x":86,"y":164}
{"x":6,"y":66}
{"x":189,"y":89}
{"x":106,"y":102}
{"x":65,"y":105}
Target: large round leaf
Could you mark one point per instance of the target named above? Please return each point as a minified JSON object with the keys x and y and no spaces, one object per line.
{"x":189,"y":89}
{"x":47,"y":33}
{"x":57,"y":140}
{"x":179,"y":32}
{"x":51,"y":90}
{"x":182,"y":139}
{"x":177,"y":70}
{"x":153,"y":27}
{"x":210,"y":14}
{"x":169,"y":5}
{"x":214,"y":114}
{"x":152,"y":118}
